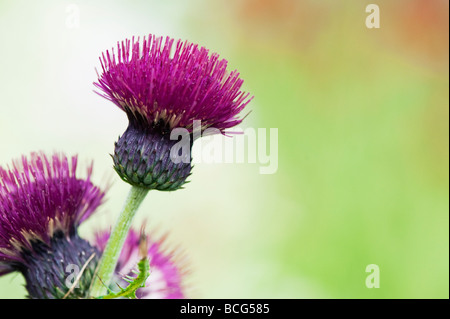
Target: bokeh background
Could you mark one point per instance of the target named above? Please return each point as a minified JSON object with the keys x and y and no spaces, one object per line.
{"x":362,"y":118}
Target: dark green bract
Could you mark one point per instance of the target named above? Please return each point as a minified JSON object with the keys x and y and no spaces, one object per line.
{"x":62,"y":270}
{"x":142,"y":158}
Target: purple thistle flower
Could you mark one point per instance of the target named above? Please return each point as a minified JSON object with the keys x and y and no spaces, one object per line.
{"x":175,"y":84}
{"x":166,"y":274}
{"x":161,"y":85}
{"x":42,"y":203}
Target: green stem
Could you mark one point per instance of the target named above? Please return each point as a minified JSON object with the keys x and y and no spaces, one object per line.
{"x":116,"y":240}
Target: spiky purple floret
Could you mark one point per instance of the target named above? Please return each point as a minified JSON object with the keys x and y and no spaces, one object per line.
{"x":40,"y":196}
{"x":166,"y":273}
{"x":176,"y":82}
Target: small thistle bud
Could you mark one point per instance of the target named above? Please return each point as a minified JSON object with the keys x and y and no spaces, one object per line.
{"x":162,"y":85}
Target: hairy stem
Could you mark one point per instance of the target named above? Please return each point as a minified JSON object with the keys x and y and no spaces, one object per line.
{"x":116,"y":240}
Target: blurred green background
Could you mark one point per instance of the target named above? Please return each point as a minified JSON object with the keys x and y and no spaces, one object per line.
{"x":362,"y":118}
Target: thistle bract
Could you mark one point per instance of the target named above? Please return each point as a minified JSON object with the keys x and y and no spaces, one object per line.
{"x":142,"y":157}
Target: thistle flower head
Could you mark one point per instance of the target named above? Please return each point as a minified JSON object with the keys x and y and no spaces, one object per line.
{"x":42,"y":203}
{"x":172,"y":83}
{"x":166,"y":273}
{"x":163,"y":84}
